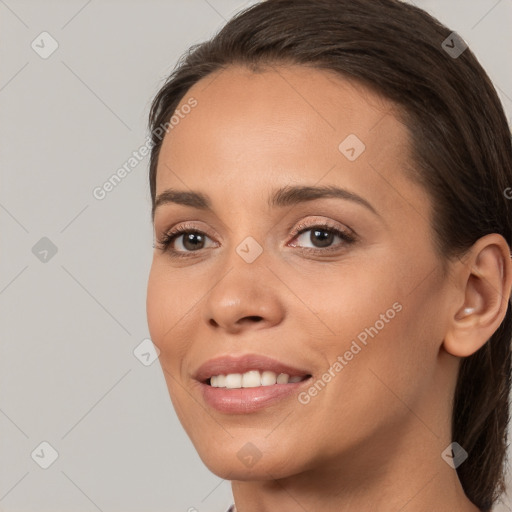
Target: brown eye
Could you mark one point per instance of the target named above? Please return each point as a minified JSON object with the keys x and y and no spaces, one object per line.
{"x":192,"y":241}
{"x":322,"y":237}
{"x":182,"y":241}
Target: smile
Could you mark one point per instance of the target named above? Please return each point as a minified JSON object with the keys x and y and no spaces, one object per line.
{"x":248,"y":383}
{"x":253,"y":379}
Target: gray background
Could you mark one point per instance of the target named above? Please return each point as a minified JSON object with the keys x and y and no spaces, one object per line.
{"x":69,"y":325}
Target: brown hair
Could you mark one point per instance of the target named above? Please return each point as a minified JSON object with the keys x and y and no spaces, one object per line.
{"x":461,"y":144}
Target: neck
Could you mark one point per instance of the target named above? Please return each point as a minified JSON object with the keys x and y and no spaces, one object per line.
{"x":409,"y":474}
{"x":421,"y":490}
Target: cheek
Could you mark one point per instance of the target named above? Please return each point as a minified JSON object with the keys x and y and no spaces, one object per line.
{"x":164,"y":308}
{"x":156,"y":300}
{"x":172,"y":303}
{"x":168,"y":300}
{"x":379,"y":329}
{"x":345,"y":300}
{"x":163,"y":311}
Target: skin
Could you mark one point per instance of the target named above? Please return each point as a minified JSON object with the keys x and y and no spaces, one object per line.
{"x":372,"y":438}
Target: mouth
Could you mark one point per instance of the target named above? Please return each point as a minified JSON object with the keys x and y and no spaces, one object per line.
{"x":248,"y":371}
{"x":253,"y":379}
{"x":249,"y":383}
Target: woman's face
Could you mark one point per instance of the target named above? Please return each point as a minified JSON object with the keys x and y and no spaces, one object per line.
{"x":360,"y":316}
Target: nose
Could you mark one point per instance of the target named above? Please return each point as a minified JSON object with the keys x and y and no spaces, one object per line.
{"x":251,"y":319}
{"x":244,"y":299}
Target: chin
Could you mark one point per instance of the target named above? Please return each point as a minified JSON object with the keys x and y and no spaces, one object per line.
{"x":234,"y":470}
{"x":244,"y":461}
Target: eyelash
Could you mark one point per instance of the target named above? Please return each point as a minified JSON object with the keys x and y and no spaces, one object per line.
{"x":168,"y":238}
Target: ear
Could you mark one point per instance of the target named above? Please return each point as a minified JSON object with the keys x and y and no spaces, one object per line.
{"x":484,"y":282}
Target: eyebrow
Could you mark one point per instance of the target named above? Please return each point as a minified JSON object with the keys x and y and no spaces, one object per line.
{"x":286,"y":196}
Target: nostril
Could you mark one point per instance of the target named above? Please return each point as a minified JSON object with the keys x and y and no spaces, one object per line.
{"x":255,"y":318}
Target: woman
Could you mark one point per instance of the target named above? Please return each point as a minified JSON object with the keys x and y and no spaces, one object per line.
{"x":332,"y":273}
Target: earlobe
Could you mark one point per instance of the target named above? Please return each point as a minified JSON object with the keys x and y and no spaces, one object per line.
{"x":465,"y":312}
{"x":486,"y":278}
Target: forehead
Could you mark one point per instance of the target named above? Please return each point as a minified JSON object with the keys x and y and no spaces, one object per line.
{"x":284,"y":125}
{"x":288,"y":100}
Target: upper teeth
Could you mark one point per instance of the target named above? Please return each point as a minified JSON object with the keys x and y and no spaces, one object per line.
{"x":251,"y":379}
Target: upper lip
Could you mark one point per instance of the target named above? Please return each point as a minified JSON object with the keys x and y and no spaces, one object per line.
{"x":240,"y":364}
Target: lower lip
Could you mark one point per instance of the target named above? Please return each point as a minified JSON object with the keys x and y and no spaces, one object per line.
{"x":247,"y":400}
